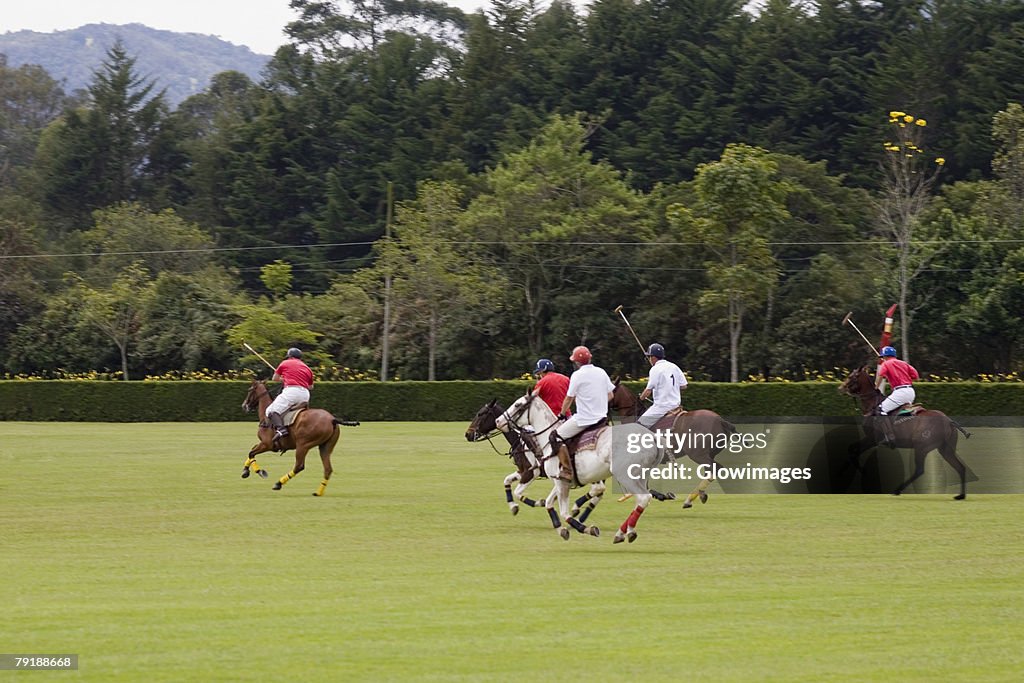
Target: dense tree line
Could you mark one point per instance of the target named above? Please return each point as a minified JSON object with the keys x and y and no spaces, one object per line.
{"x":501,"y":181}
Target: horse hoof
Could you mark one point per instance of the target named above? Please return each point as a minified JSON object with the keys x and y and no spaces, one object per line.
{"x":263,"y":474}
{"x":703,"y":497}
{"x":960,"y":496}
{"x":631,"y":536}
{"x":277,"y":486}
{"x":619,"y":538}
{"x":575,"y":511}
{"x":897,"y":492}
{"x":670,"y":496}
{"x":514,"y":509}
{"x":593,"y":531}
{"x":564,"y":533}
{"x":687,"y":505}
{"x":245,"y":473}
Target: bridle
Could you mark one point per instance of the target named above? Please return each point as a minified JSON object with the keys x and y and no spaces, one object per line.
{"x":860,"y":395}
{"x":256,"y":395}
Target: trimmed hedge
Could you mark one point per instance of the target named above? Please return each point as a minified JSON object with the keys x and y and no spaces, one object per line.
{"x":178,"y":401}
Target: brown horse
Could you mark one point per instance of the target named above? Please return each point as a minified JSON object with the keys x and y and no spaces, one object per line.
{"x":312,"y":427}
{"x":925,"y":432}
{"x":711,"y":428}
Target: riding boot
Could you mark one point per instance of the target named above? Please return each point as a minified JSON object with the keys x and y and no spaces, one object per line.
{"x":564,"y":468}
{"x":277,"y":422}
{"x":888,"y":432}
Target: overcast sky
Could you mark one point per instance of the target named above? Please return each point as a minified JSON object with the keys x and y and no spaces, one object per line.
{"x":258,"y":24}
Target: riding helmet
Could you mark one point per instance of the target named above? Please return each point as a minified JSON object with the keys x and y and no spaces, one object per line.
{"x":581,"y":355}
{"x":544,"y":365}
{"x":294,"y":353}
{"x":656,"y":350}
{"x":888,"y":351}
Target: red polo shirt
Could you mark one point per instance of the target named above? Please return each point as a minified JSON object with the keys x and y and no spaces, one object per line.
{"x":552,"y":389}
{"x":898,"y":372}
{"x":294,"y":373}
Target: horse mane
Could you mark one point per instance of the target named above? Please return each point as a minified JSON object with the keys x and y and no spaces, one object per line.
{"x":538,"y":404}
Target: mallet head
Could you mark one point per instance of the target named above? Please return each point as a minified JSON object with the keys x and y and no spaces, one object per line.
{"x":847,"y":318}
{"x":618,"y":309}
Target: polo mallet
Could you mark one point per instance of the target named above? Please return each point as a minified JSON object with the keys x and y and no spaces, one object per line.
{"x":643,"y":350}
{"x":874,"y":351}
{"x":256,"y":353}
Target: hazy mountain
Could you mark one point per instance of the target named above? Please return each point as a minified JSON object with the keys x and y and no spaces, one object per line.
{"x":180,"y":62}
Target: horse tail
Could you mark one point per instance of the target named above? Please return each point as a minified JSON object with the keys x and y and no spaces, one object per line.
{"x":345,"y":423}
{"x":960,"y":428}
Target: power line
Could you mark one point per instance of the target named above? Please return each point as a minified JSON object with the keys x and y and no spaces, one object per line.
{"x":539,"y":243}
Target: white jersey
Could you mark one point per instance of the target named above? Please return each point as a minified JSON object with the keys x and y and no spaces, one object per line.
{"x":666,"y":381}
{"x":590,"y":386}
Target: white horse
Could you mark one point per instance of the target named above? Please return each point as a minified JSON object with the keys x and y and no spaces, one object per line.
{"x":593,"y":466}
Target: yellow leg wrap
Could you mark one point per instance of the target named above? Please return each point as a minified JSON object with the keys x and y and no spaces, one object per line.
{"x":253,"y":465}
{"x":249,"y":462}
{"x":321,"y":487}
{"x":284,"y":480}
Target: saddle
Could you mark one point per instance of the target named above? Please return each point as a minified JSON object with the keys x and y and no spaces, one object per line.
{"x":289,"y":417}
{"x":906,"y":412}
{"x":587,"y":439}
{"x":668,"y":419}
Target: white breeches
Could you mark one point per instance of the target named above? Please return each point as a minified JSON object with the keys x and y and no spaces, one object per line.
{"x":897,"y":398}
{"x":288,"y":397}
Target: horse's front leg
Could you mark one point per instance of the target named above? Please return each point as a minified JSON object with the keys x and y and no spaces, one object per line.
{"x":250,"y":465}
{"x":509,"y":480}
{"x":519,"y":494}
{"x":300,"y":464}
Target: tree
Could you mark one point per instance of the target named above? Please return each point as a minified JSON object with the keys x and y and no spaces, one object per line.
{"x":116,"y":310}
{"x":440,"y":285}
{"x":277,"y":277}
{"x":908,"y":179}
{"x":127,"y":233}
{"x":183,"y":321}
{"x":29,"y":100}
{"x":550,"y":212}
{"x":101,"y":154}
{"x":270,"y":333}
{"x":738,"y":204}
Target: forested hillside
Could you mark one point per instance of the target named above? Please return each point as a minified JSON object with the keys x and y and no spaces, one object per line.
{"x":737,"y":182}
{"x":183,"y":63}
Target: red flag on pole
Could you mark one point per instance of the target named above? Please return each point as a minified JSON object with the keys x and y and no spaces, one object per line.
{"x":887,"y":328}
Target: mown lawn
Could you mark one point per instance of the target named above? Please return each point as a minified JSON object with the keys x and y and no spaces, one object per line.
{"x":139,"y":548}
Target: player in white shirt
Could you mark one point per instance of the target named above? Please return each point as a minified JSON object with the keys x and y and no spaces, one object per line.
{"x":591,"y":389}
{"x":666,"y":381}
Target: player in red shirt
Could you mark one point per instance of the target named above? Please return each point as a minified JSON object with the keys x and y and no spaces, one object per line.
{"x":552,"y":386}
{"x":900,"y":375}
{"x":298,"y":380}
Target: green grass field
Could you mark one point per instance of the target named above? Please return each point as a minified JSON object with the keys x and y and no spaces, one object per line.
{"x":139,"y":548}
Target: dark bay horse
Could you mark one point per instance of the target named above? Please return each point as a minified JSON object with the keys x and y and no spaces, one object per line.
{"x":711,"y":428}
{"x":312,"y":427}
{"x":925,"y":432}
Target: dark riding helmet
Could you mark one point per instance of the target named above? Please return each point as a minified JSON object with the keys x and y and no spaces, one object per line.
{"x":656,"y":350}
{"x":294,"y":353}
{"x":888,"y":352}
{"x":544,"y":365}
